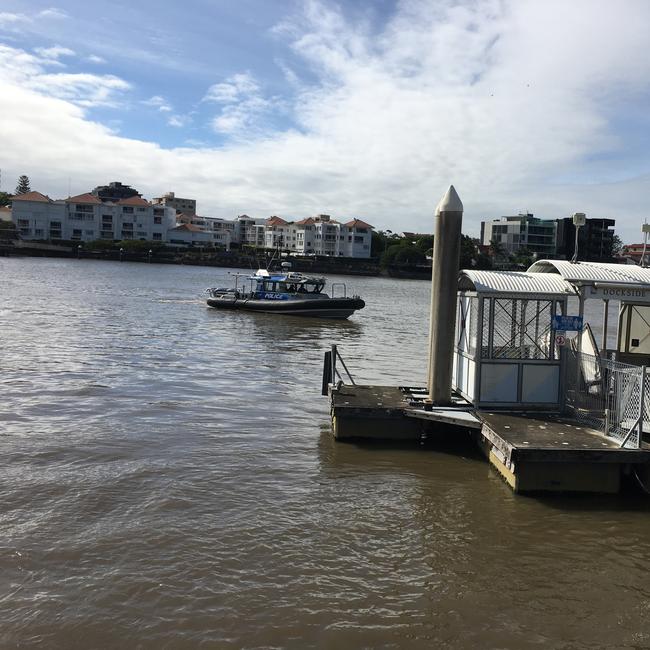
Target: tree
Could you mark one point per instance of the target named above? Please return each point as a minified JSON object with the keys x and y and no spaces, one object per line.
{"x":5,"y":199}
{"x":617,"y":246}
{"x":23,"y":185}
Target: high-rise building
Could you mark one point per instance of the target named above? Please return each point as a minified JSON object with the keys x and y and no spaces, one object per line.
{"x":595,"y":239}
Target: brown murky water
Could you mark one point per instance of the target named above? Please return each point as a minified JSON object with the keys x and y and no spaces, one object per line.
{"x":167,"y":480}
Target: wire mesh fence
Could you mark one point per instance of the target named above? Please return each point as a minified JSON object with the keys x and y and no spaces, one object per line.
{"x":609,"y":396}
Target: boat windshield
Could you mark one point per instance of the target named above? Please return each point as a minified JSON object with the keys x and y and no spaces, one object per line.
{"x":291,"y":286}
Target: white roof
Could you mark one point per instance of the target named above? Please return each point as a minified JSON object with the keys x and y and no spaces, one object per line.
{"x":514,"y":282}
{"x":594,"y":272}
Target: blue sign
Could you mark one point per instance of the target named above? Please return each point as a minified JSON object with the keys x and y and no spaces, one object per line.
{"x":567,"y":323}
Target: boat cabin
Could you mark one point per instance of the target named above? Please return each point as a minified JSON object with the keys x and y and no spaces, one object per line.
{"x":268,"y":286}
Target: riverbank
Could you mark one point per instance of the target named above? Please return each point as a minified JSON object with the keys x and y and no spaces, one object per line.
{"x":215,"y":258}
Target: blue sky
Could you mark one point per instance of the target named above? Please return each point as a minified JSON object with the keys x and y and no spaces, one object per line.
{"x":365,"y":110}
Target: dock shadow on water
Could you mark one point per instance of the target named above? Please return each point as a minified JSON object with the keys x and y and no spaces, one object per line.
{"x":197,"y":499}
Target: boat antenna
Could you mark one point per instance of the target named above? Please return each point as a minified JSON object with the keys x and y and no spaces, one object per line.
{"x":268,"y":266}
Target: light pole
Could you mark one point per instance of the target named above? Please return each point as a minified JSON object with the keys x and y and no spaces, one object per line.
{"x":645,"y":229}
{"x":579,"y":220}
{"x":78,"y":251}
{"x":121,"y":251}
{"x":150,"y":253}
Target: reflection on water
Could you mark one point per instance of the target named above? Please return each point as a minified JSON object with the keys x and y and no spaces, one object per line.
{"x":168,"y":480}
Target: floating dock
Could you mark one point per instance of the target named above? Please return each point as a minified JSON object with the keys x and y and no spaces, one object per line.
{"x":533,"y":453}
{"x":551,"y":413}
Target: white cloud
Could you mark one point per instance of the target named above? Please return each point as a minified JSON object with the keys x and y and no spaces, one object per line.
{"x":54,"y":53}
{"x":179,"y":121}
{"x":243,"y":105}
{"x":53,"y":12}
{"x":93,"y":58}
{"x":30,"y":71}
{"x":519,"y":104}
{"x":235,"y":88}
{"x":158,"y":102}
{"x":11,"y":21}
{"x":16,"y":22}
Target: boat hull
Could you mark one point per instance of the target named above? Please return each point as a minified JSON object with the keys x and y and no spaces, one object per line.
{"x":338,"y":308}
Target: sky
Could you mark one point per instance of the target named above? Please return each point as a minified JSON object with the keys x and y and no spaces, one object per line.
{"x":353,"y":109}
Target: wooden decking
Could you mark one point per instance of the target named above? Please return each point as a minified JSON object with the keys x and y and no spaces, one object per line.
{"x":534,"y":453}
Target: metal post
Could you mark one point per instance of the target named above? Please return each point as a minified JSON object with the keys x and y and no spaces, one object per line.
{"x":603,"y":343}
{"x":444,"y":286}
{"x":334,"y":353}
{"x":581,"y":311}
{"x":641,"y":407}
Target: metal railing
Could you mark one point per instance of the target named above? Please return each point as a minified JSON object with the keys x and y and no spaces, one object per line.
{"x":331,"y":375}
{"x":609,"y":396}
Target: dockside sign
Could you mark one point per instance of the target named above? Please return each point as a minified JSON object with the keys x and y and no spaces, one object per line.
{"x":627,"y":294}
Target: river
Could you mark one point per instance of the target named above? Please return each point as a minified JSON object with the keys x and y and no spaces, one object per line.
{"x":168,"y":480}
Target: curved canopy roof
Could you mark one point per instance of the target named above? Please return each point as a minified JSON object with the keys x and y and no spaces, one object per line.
{"x":514,"y":282}
{"x":594,"y":272}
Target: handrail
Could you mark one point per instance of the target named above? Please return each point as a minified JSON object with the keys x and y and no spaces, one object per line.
{"x":331,"y":376}
{"x":339,"y":284}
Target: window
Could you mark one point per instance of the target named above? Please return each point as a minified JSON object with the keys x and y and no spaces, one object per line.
{"x":38,"y":232}
{"x":157,"y":236}
{"x":349,"y":237}
{"x":127,"y":226}
{"x":76,"y":233}
{"x":83,"y":208}
{"x":23,"y":223}
{"x":127,"y":234}
{"x":127,"y":209}
{"x":107,"y":218}
{"x":55,"y":224}
{"x":159,"y":211}
{"x":90,"y":233}
{"x":157,"y":219}
{"x":142,"y":209}
{"x":362,"y":231}
{"x":358,"y":240}
{"x":141,"y":233}
{"x":365,"y":247}
{"x":55,"y":234}
{"x":106,"y":234}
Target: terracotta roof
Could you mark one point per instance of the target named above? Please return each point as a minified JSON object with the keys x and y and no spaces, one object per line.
{"x":32,"y":196}
{"x":276,"y":221}
{"x":83,"y":198}
{"x":188,"y":227}
{"x":309,"y":221}
{"x":134,"y":200}
{"x":357,"y":223}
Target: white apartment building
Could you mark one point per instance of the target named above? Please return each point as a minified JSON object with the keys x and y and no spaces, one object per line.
{"x":86,"y":218}
{"x":321,"y":235}
{"x":221,"y":231}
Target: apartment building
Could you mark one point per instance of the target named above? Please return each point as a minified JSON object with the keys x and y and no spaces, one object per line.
{"x":86,"y":218}
{"x":169,"y":199}
{"x":513,"y":233}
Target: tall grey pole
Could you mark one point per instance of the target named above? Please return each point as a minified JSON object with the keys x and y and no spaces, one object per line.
{"x":444,"y":285}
